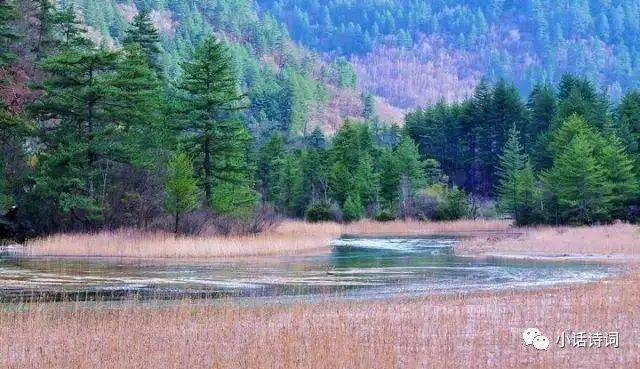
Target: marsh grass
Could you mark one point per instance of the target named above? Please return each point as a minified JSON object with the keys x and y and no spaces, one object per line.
{"x":289,"y":238}
{"x":617,"y":239}
{"x":475,"y":330}
{"x":461,"y":330}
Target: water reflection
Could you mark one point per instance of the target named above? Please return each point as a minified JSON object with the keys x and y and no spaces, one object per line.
{"x":356,"y":267}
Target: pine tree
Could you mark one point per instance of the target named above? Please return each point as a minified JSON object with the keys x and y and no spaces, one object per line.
{"x":139,"y":93}
{"x":143,"y":33}
{"x":578,"y":182}
{"x":516,"y":186}
{"x":412,"y":175}
{"x":69,"y":30}
{"x":542,"y":106}
{"x":270,"y":163}
{"x":95,"y":106}
{"x":352,"y":209}
{"x":389,"y":179}
{"x":290,"y":198}
{"x":628,"y":115}
{"x":7,"y":35}
{"x":181,"y":189}
{"x":619,"y":175}
{"x":512,"y":162}
{"x":5,"y":199}
{"x":209,"y":102}
{"x":368,"y":106}
{"x":367,"y":181}
{"x":80,"y":95}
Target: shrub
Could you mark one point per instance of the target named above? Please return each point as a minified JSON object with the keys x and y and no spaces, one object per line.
{"x":386,"y":215}
{"x":318,"y":212}
{"x":352,"y":210}
{"x":454,"y":205}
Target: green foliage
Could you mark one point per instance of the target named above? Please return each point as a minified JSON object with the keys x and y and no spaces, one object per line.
{"x":578,"y":182}
{"x":5,"y":199}
{"x":291,"y":186}
{"x":210,"y":99}
{"x":143,"y":33}
{"x":8,"y":14}
{"x":352,"y":210}
{"x":270,"y":168}
{"x":386,"y":215}
{"x":620,"y":176}
{"x":238,"y":201}
{"x":318,"y":212}
{"x":181,"y":188}
{"x":454,"y":205}
{"x":517,"y":182}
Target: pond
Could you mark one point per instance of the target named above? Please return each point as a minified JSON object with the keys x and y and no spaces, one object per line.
{"x":355,"y":268}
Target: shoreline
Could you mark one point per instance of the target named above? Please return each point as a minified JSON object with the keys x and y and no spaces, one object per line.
{"x":404,"y":331}
{"x":290,"y":238}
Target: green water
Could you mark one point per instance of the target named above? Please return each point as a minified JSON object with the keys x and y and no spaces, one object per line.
{"x":355,"y":268}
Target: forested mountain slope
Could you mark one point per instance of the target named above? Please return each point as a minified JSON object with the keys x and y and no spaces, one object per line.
{"x":290,"y":88}
{"x":415,"y":52}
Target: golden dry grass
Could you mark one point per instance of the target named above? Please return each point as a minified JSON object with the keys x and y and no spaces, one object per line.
{"x":290,"y":237}
{"x":612,"y":240}
{"x":447,"y":331}
{"x":471,"y":330}
{"x":369,"y":227}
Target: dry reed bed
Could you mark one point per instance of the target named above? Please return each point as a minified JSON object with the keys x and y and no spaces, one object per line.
{"x":368,"y":227}
{"x":447,"y":331}
{"x":290,"y":237}
{"x":613,"y":240}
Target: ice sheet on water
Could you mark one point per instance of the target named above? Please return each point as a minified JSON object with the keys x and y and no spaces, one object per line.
{"x":397,"y":244}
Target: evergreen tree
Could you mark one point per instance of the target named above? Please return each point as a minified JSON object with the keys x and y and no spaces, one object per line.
{"x":579,"y":184}
{"x":7,"y":35}
{"x":209,"y":126}
{"x":628,"y":115}
{"x":5,"y":199}
{"x":143,"y":33}
{"x":139,"y":92}
{"x":290,"y":198}
{"x":619,"y":175}
{"x":181,"y":189}
{"x":516,"y":187}
{"x":80,"y":94}
{"x":367,"y":181}
{"x":352,"y":210}
{"x":543,"y":107}
{"x":271,"y":161}
{"x":68,"y":29}
{"x":389,"y":179}
{"x":368,"y":106}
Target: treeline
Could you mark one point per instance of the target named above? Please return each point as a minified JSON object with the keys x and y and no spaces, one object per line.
{"x":109,"y":141}
{"x":563,"y":156}
{"x":91,"y":149}
{"x":362,"y":172}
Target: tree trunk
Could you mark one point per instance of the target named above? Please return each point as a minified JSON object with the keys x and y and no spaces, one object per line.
{"x":175,"y":227}
{"x":207,"y":169}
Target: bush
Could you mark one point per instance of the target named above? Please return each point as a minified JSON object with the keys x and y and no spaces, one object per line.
{"x":454,"y":205}
{"x":426,"y":204}
{"x":318,"y":212}
{"x":386,"y":215}
{"x":352,"y":210}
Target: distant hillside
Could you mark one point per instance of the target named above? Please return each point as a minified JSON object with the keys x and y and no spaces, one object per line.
{"x":415,"y":52}
{"x":290,"y":87}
